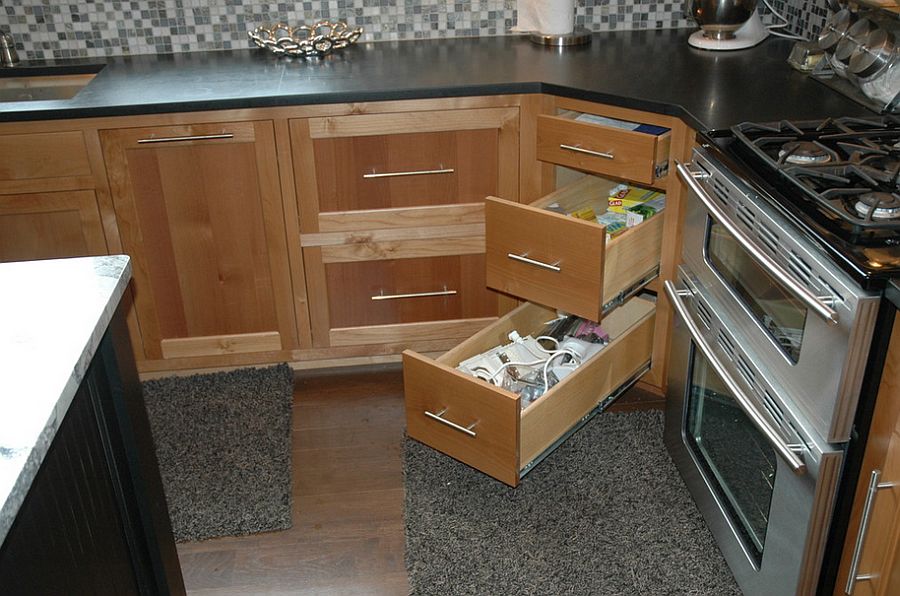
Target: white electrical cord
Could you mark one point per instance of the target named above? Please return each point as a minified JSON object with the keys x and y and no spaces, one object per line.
{"x":784,"y":23}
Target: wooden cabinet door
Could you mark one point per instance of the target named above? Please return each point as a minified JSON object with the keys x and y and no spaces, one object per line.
{"x":873,"y":535}
{"x":199,"y":210}
{"x":50,"y":225}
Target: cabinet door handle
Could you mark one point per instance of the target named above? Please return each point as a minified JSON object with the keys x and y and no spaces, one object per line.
{"x":524,"y":259}
{"x":410,"y":173}
{"x":874,"y":486}
{"x":579,"y":149}
{"x":416,"y":295}
{"x":467,"y":430}
{"x":224,"y":135}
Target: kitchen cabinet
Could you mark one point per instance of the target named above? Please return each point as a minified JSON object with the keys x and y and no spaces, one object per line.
{"x":199,"y":210}
{"x":391,"y":209}
{"x":84,"y":511}
{"x":560,"y":262}
{"x":48,"y":206}
{"x":872,"y":551}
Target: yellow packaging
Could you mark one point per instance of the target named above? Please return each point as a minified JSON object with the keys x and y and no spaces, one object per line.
{"x":586,"y":213}
{"x":623,"y":196}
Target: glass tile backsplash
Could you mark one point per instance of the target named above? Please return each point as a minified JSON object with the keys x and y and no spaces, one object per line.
{"x":44,"y":29}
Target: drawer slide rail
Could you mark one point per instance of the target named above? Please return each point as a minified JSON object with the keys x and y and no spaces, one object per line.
{"x":600,"y":407}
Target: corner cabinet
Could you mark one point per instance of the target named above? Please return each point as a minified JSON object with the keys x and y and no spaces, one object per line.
{"x":199,"y":211}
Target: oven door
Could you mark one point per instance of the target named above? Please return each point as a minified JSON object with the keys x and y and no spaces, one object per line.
{"x":762,"y":480}
{"x":801,"y":314}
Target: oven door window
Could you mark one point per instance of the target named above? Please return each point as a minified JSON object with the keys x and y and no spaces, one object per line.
{"x":781,"y":314}
{"x":734,"y":456}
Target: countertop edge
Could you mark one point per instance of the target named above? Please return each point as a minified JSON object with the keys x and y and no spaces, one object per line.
{"x":119,"y":267}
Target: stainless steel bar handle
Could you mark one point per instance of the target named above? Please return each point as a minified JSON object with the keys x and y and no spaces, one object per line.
{"x":524,"y":259}
{"x":875,"y":485}
{"x":814,"y":302}
{"x":578,"y":149}
{"x":784,"y":450}
{"x":411,"y":173}
{"x":416,"y":295}
{"x":224,"y":135}
{"x":463,"y":429}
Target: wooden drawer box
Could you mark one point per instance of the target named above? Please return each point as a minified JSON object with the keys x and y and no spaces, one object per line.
{"x":43,"y":155}
{"x":482,"y":424}
{"x":633,"y":155}
{"x":563,"y":261}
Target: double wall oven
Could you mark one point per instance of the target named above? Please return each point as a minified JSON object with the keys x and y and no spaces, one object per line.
{"x":775,"y":316}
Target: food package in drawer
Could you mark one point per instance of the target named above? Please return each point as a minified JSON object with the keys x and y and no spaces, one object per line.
{"x":624,"y":197}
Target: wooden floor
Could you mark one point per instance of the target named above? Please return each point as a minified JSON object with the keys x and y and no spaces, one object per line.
{"x":347,"y":536}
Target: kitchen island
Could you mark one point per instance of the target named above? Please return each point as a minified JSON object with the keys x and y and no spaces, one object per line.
{"x":82,"y":505}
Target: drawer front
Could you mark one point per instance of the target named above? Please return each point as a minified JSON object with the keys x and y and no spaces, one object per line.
{"x":406,"y":170}
{"x":565,"y":262}
{"x":621,"y":153}
{"x":386,"y":292}
{"x":43,"y":155}
{"x":467,"y":419}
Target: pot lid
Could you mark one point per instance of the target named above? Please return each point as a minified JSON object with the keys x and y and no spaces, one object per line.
{"x":835,"y":29}
{"x":873,"y":55}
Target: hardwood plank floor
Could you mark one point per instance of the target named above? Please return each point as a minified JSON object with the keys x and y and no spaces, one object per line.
{"x":347,"y":534}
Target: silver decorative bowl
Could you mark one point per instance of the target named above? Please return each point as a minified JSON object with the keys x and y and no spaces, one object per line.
{"x":307,"y":41}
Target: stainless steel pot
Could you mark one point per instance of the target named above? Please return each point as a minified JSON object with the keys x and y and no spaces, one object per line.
{"x":719,"y":19}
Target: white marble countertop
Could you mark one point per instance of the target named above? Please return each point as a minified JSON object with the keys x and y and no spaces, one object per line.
{"x":53,"y":315}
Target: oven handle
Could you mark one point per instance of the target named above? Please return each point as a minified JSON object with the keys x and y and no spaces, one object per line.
{"x":794,"y":461}
{"x":814,"y":302}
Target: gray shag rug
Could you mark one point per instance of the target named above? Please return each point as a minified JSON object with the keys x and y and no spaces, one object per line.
{"x":223,"y":441}
{"x":606,"y":514}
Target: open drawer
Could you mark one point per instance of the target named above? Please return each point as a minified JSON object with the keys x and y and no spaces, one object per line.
{"x":566,"y":262}
{"x":482,"y":424}
{"x":595,"y":144}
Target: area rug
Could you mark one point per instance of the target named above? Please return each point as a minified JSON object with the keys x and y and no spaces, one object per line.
{"x":606,"y":514}
{"x":223,"y":441}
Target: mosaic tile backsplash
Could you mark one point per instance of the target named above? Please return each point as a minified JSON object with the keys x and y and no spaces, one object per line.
{"x":46,"y":29}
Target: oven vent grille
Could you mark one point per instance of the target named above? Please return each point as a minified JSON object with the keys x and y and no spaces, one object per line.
{"x":722,"y":191}
{"x":725,"y":344}
{"x":704,"y":314}
{"x":829,"y":291}
{"x":774,"y":409}
{"x":799,"y":267}
{"x":746,"y":215}
{"x":747,"y":372}
{"x":767,"y":236}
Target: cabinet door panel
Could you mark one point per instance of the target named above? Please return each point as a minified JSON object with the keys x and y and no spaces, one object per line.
{"x":200,"y":211}
{"x":50,"y":225}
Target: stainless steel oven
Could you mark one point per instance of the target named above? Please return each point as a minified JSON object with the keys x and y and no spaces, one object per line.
{"x":803,"y":316}
{"x":768,"y":353}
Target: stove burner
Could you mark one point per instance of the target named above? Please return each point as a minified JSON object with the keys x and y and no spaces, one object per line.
{"x":803,"y":153}
{"x":878,"y":205}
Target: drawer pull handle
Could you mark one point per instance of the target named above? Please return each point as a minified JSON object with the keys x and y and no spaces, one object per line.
{"x":579,"y":149}
{"x":224,"y":135}
{"x":412,"y":173}
{"x":524,"y":259}
{"x":874,"y":487}
{"x":463,"y":429}
{"x":443,"y":292}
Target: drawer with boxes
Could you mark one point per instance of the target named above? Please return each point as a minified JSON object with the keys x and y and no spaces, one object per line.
{"x":557,"y":252}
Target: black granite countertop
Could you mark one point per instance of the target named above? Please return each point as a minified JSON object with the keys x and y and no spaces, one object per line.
{"x":651,"y":70}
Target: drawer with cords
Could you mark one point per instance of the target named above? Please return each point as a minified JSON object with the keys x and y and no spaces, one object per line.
{"x":485,"y":426}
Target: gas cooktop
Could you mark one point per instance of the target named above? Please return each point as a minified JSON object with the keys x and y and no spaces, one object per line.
{"x":837,"y":179}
